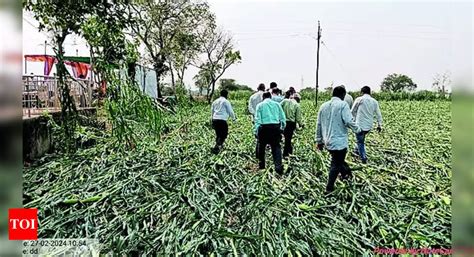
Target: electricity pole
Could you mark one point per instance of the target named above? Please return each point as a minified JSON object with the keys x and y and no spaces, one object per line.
{"x":317,"y":64}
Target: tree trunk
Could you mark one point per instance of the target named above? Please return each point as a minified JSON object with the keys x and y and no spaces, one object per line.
{"x":173,"y":83}
{"x":131,"y":70}
{"x":68,"y":107}
{"x":213,"y":85}
{"x":158,"y":76}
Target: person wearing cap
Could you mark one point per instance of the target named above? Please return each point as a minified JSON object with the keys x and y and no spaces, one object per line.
{"x":348,"y":98}
{"x":334,"y":117}
{"x":270,"y":120}
{"x":221,"y":110}
{"x":364,"y":110}
{"x":292,"y":110}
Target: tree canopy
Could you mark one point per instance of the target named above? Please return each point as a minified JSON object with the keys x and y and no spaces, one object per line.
{"x":397,"y":82}
{"x":232,"y":85}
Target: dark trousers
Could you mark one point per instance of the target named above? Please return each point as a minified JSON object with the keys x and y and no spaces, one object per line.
{"x":269,"y":134}
{"x":338,"y":165}
{"x":288,"y":133}
{"x":222,"y":130}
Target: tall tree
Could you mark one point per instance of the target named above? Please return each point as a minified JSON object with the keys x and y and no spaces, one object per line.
{"x":201,"y":81}
{"x":218,"y":55}
{"x":62,"y":18}
{"x":397,"y":82}
{"x":158,"y":24}
{"x":441,"y":82}
{"x":185,"y":46}
{"x":232,"y":85}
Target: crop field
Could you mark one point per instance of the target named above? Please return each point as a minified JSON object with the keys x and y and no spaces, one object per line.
{"x":175,"y":197}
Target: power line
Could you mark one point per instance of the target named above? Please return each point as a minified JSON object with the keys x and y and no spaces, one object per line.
{"x":340,"y":65}
{"x":267,"y":37}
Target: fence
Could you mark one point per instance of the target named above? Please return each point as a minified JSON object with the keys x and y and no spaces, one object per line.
{"x":41,"y":93}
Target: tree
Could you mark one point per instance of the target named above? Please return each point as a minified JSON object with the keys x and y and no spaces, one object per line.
{"x":185,"y":47}
{"x":201,"y":80}
{"x":232,"y":85}
{"x":219,"y":55}
{"x":397,"y":82}
{"x":62,"y":18}
{"x":159,"y":25}
{"x":442,"y":82}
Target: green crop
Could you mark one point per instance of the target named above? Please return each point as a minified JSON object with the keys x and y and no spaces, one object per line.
{"x":173,"y":196}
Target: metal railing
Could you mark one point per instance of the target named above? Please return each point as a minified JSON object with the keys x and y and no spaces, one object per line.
{"x":41,"y":93}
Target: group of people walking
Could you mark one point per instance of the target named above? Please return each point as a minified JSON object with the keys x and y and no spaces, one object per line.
{"x":274,"y":116}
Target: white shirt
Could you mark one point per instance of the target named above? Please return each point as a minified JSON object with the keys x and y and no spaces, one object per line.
{"x":334,"y":117}
{"x":349,"y":100}
{"x":364,"y":110}
{"x":255,"y":99}
{"x":221,"y":109}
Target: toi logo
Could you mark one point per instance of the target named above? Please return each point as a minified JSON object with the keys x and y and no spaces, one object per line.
{"x":23,"y":224}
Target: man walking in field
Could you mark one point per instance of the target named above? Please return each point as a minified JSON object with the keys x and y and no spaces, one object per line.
{"x":221,"y":110}
{"x":272,"y":86}
{"x":364,"y":110}
{"x":334,"y":117}
{"x":292,"y":110}
{"x":276,"y":95}
{"x":270,"y":120}
{"x":255,"y":99}
{"x":348,"y":98}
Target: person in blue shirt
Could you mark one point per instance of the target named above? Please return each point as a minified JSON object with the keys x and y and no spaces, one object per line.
{"x":221,"y":110}
{"x":272,"y":86}
{"x":334,"y":117}
{"x":276,"y":95}
{"x":270,"y":121}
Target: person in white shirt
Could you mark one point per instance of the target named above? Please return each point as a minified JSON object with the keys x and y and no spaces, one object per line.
{"x":348,"y":98}
{"x":221,"y":110}
{"x":255,"y":99}
{"x":364,"y":110}
{"x":272,"y":86}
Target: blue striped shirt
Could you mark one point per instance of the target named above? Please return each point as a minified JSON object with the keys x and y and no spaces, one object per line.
{"x":334,"y":118}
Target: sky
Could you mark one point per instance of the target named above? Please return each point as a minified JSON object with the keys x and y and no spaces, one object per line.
{"x":361,"y":42}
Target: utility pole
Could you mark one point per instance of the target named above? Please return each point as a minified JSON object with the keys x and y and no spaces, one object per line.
{"x":317,"y":64}
{"x":45,"y":43}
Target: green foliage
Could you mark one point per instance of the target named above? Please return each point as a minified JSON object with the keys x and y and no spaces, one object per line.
{"x":422,"y":95}
{"x":131,"y":113}
{"x":219,"y":55}
{"x":176,"y":198}
{"x":61,"y":18}
{"x":397,"y":83}
{"x":168,"y":30}
{"x":232,"y":85}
